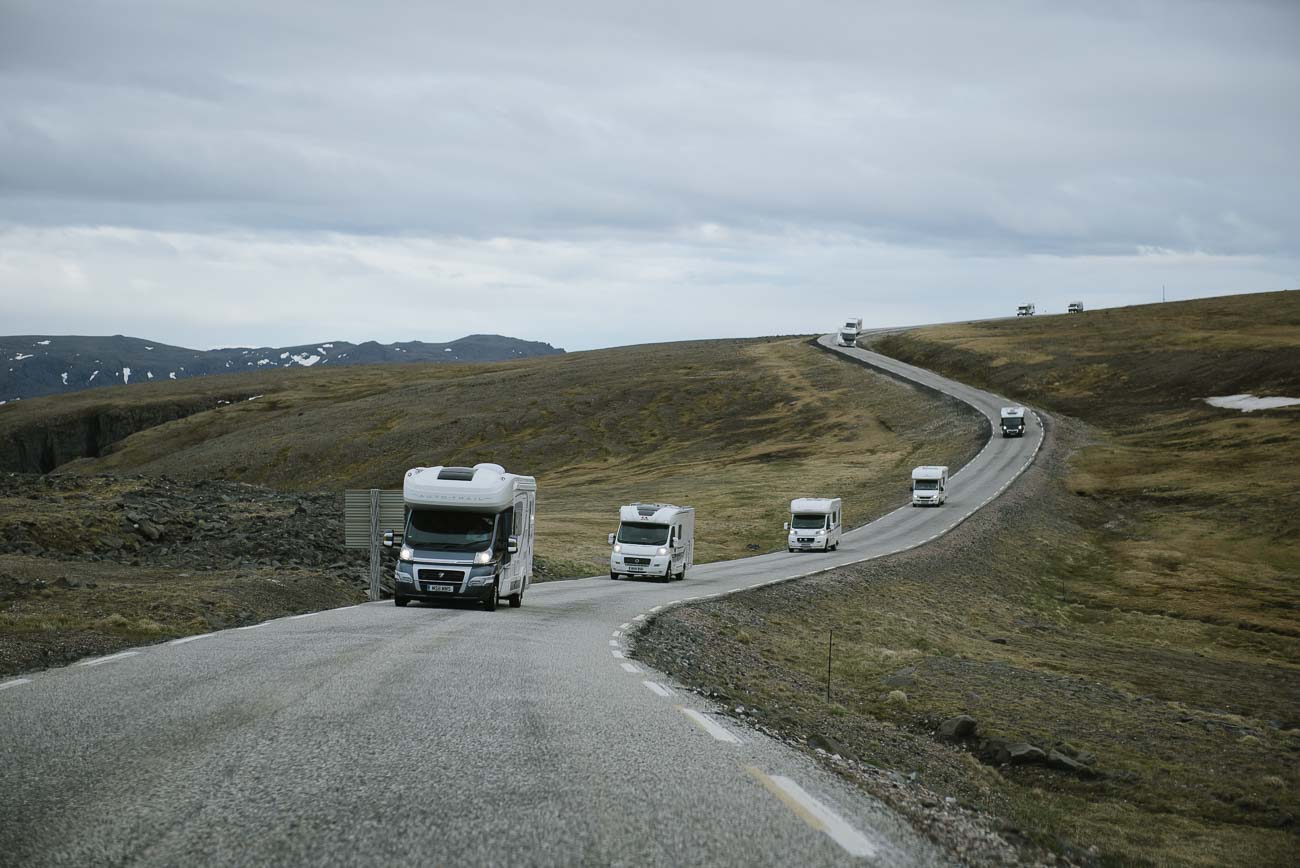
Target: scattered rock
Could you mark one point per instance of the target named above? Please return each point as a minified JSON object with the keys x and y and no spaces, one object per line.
{"x":1061,"y":762}
{"x":999,"y":640}
{"x":1023,"y":753}
{"x":829,"y":744}
{"x":957,"y":728}
{"x":901,"y":678}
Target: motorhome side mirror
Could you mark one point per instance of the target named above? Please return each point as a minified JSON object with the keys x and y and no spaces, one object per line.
{"x":512,"y":545}
{"x":611,"y":539}
{"x":785,"y":526}
{"x":388,"y":538}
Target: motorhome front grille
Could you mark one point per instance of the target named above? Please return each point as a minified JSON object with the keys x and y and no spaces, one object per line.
{"x":441,"y":576}
{"x":641,"y":561}
{"x":805,"y":539}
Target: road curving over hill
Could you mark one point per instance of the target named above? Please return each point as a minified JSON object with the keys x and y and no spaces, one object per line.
{"x":374,"y":735}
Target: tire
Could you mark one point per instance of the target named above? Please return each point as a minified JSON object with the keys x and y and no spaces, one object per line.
{"x":613,"y":575}
{"x":791,"y":549}
{"x":516,"y":600}
{"x":491,"y":602}
{"x":668,"y":574}
{"x":400,"y":602}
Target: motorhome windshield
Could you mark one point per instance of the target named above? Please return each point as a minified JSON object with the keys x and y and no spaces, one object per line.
{"x":925,"y":485}
{"x":1013,"y":422}
{"x":808,"y":521}
{"x":643,"y":534}
{"x":450,"y":529}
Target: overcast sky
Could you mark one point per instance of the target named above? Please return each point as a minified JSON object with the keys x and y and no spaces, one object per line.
{"x":600,"y":173}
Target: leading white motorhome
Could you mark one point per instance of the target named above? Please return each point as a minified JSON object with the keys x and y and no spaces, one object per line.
{"x":1012,"y":421}
{"x":653,"y":539}
{"x":929,"y":485}
{"x":1075,"y":307}
{"x":849,"y":333}
{"x":468,"y":535}
{"x":814,"y":525}
{"x":1025,"y":310}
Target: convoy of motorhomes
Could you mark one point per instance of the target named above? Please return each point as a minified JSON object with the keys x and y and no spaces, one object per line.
{"x":849,"y":333}
{"x":653,"y":539}
{"x":468,"y":535}
{"x":1013,"y":421}
{"x":814,"y":525}
{"x":929,"y":485}
{"x":1075,"y":307}
{"x":1025,"y":310}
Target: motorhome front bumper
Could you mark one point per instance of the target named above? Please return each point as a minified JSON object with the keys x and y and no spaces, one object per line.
{"x":639,"y":565}
{"x":425,"y":582}
{"x":809,"y":543}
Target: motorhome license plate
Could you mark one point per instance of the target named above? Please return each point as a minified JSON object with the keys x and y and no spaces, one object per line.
{"x":439,"y":589}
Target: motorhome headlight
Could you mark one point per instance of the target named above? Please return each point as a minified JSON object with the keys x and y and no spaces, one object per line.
{"x":483,"y":557}
{"x":617,"y":547}
{"x":663,"y":551}
{"x":407,"y":553}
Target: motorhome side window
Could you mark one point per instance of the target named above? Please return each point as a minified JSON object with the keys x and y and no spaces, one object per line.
{"x":452,"y":530}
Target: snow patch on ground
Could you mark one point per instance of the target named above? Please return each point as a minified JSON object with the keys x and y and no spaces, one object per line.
{"x":261,"y":362}
{"x":126,"y":375}
{"x":65,"y":377}
{"x":21,"y":356}
{"x":447,"y":350}
{"x":255,"y":397}
{"x":327,"y":346}
{"x":148,"y":348}
{"x":305,"y":360}
{"x":42,"y":343}
{"x":149,"y":374}
{"x":1248,"y":403}
{"x":172,"y":375}
{"x":284,"y":355}
{"x":92,"y":377}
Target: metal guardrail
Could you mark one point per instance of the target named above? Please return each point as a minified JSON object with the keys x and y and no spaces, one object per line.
{"x":367,"y":513}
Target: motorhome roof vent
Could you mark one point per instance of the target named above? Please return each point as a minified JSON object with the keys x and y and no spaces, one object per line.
{"x":458,"y":474}
{"x":648,"y":509}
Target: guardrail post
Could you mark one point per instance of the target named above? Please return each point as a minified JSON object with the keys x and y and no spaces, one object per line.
{"x":374,"y":544}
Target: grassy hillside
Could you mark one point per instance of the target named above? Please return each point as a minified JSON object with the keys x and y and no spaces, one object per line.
{"x":1132,"y":601}
{"x":734,"y":428}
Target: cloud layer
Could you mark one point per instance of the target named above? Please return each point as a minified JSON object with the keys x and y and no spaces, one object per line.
{"x":592,"y":175}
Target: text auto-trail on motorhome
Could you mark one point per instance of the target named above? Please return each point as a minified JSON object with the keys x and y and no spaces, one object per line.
{"x":468,"y":535}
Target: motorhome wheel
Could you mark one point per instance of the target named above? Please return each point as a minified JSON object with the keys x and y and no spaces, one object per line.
{"x":400,"y":601}
{"x":613,"y":575}
{"x":516,"y":600}
{"x":491,"y":602}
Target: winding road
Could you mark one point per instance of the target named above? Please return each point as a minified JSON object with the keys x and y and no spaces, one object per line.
{"x":374,"y":735}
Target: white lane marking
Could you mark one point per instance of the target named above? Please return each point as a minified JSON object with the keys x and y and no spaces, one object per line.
{"x":815,"y":814}
{"x":15,"y":683}
{"x":185,"y":639}
{"x":304,"y":615}
{"x":624,"y":625}
{"x":714,"y":729}
{"x":613,"y":643}
{"x":657,"y":689}
{"x":617,"y":653}
{"x":630,"y":667}
{"x":109,"y":659}
{"x":252,"y":626}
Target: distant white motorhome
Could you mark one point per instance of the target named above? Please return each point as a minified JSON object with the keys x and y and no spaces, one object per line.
{"x":1075,"y":307}
{"x":468,"y":535}
{"x":815,"y":524}
{"x":1025,"y":310}
{"x":929,"y":485}
{"x":1013,"y":421}
{"x":849,"y":333}
{"x":653,"y":539}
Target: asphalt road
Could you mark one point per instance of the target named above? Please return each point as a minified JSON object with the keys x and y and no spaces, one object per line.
{"x":374,"y":735}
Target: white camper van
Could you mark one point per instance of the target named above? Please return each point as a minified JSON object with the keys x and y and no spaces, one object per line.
{"x":468,"y":535}
{"x":929,"y":485}
{"x":1025,"y":310}
{"x":1075,"y":307}
{"x":814,"y":525}
{"x":1013,"y":421}
{"x":653,"y":539}
{"x":849,"y":332}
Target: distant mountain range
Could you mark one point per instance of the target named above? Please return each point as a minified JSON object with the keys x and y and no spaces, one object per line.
{"x":34,"y":365}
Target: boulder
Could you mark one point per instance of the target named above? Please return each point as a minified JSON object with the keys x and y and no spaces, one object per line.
{"x":828,"y":744}
{"x":1058,"y":760}
{"x":958,"y":728}
{"x":1022,"y":753}
{"x":901,"y":678}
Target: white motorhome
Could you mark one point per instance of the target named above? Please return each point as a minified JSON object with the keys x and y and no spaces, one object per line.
{"x":929,"y":485}
{"x":1025,"y":310}
{"x":849,"y":333}
{"x":1075,"y":307}
{"x":468,"y":535}
{"x":815,"y":524}
{"x":1013,"y":421}
{"x":653,"y":539}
